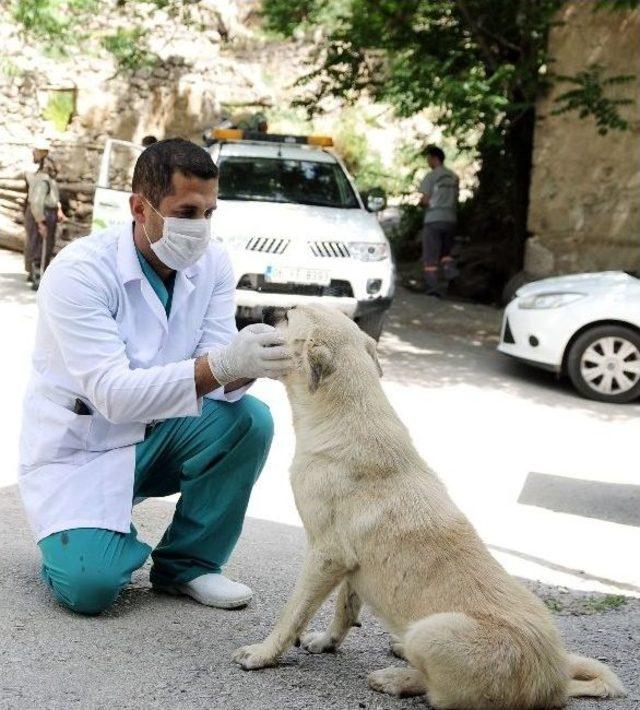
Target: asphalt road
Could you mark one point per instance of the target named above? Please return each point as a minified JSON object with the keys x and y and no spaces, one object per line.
{"x":545,"y":477}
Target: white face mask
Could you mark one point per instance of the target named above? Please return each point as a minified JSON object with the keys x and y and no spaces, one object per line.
{"x":183,"y":241}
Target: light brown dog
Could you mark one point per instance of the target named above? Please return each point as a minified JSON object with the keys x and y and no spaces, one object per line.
{"x":381,"y":525}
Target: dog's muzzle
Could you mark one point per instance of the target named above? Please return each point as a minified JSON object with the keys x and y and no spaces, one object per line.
{"x":272,"y":315}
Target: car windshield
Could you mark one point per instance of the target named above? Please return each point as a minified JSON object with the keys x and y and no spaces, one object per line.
{"x":305,"y":182}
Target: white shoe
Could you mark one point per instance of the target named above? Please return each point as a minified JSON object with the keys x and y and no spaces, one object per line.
{"x":214,"y":590}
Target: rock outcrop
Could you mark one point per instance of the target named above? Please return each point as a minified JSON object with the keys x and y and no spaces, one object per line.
{"x":584,"y":210}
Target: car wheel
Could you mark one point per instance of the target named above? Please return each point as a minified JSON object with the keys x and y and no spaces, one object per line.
{"x":604,"y":364}
{"x":372,"y":324}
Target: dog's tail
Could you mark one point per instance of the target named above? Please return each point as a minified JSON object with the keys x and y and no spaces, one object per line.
{"x":593,"y":679}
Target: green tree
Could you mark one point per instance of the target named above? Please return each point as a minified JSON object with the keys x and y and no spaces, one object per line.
{"x":482,"y":63}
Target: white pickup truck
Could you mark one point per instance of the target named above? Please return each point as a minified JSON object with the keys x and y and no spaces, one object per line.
{"x":296,"y":228}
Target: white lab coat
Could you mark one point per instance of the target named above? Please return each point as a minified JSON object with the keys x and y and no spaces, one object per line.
{"x":103,"y":337}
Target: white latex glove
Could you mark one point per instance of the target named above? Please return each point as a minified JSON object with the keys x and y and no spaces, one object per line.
{"x":256,"y":351}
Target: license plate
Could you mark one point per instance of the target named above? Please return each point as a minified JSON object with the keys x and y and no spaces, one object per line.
{"x":297,"y":275}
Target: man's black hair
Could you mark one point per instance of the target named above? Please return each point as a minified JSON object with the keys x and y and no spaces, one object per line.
{"x":149,"y":140}
{"x":435,"y":152}
{"x":157,"y":164}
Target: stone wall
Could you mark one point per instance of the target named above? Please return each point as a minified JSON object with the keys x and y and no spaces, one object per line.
{"x":197,"y":79}
{"x":585,"y":193}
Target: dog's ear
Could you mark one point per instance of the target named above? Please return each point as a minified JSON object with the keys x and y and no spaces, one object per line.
{"x":319,"y":362}
{"x":372,"y":349}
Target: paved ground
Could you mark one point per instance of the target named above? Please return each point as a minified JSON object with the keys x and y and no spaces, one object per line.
{"x":512,"y":446}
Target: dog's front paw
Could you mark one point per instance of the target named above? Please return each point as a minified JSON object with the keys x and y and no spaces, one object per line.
{"x":251,"y":658}
{"x":318,"y":642}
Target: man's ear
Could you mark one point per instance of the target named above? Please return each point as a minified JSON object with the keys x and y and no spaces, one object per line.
{"x":319,"y":361}
{"x":372,"y":349}
{"x":136,"y":205}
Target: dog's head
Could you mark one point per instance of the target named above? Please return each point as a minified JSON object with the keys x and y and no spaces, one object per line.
{"x":324,"y":343}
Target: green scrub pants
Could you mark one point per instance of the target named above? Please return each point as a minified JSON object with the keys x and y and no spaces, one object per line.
{"x":213,"y":461}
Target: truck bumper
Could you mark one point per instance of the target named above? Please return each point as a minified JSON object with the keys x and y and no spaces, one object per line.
{"x":249,"y":304}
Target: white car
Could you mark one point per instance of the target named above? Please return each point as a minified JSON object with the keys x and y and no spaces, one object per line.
{"x":584,"y":325}
{"x":295,"y":226}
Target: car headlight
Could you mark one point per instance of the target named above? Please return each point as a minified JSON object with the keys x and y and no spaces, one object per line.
{"x":549,"y":300}
{"x":369,"y":251}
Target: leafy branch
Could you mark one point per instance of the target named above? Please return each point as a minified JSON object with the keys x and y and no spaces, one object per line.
{"x":129,"y":49}
{"x":588,"y":98}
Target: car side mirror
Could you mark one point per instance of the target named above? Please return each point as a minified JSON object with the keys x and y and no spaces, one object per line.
{"x":375,"y":199}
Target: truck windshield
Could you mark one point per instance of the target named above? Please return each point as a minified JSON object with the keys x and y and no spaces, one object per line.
{"x":305,"y":182}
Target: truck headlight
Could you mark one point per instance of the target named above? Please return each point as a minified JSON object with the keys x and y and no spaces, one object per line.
{"x":369,"y":251}
{"x":549,"y":300}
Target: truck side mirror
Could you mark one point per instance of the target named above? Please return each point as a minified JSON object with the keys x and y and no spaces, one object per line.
{"x":375,"y":199}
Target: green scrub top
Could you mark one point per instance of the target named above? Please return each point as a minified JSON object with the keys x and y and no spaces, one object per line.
{"x":163,"y":289}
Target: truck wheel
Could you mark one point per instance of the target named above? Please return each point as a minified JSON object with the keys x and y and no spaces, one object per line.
{"x":604,"y":364}
{"x":372,"y":324}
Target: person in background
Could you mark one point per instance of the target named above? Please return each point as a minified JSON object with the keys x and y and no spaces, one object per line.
{"x":440,"y":189}
{"x":42,"y":213}
{"x":149,"y":140}
{"x":259,"y":123}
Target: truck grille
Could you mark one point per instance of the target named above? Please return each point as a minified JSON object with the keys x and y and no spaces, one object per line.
{"x":267,"y":245}
{"x":331,"y":249}
{"x":256,"y":282}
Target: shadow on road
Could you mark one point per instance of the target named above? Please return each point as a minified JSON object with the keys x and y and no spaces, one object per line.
{"x":614,"y":502}
{"x":431,"y":343}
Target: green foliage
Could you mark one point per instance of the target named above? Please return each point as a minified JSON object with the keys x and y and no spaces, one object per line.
{"x":553,"y":604}
{"x":361,"y":161}
{"x":586,"y":605}
{"x":57,"y":22}
{"x":481,"y":62}
{"x":404,"y":237}
{"x":41,"y":19}
{"x":609,"y":601}
{"x":478,"y":61}
{"x":352,"y":145}
{"x":588,"y":98}
{"x":59,"y":109}
{"x":283,"y":18}
{"x":9,"y":68}
{"x":60,"y":24}
{"x":129,"y":49}
{"x":616,"y":5}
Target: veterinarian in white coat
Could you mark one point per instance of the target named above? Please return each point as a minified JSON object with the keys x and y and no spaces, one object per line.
{"x":136,"y":325}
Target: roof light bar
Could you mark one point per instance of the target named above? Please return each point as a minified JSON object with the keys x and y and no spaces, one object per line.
{"x":236,"y":134}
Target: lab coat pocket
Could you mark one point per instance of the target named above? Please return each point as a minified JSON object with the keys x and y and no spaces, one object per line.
{"x":61,"y":434}
{"x":104,"y":436}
